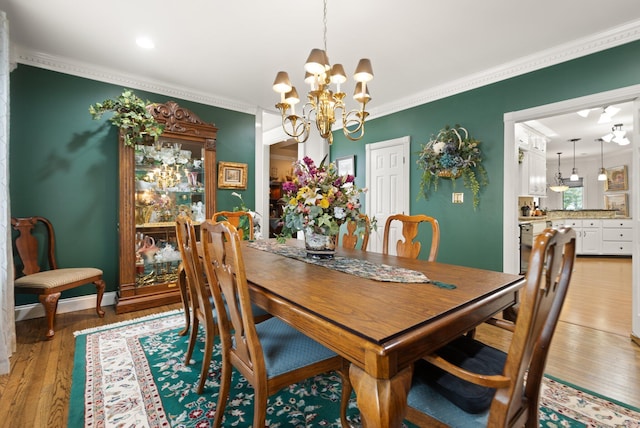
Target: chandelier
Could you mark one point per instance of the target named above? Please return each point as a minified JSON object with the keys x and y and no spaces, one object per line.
{"x":617,"y":135}
{"x":322,"y":102}
{"x":559,"y":184}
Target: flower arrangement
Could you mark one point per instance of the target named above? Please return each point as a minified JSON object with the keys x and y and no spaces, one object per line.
{"x":319,"y":200}
{"x":450,"y":154}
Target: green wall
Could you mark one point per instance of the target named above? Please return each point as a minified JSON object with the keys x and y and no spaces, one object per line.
{"x":64,"y":165}
{"x":469,"y":237}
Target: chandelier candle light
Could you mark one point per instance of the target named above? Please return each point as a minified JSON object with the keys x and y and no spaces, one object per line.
{"x":323,"y":102}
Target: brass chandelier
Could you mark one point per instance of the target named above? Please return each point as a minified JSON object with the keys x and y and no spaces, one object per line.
{"x":322,"y":102}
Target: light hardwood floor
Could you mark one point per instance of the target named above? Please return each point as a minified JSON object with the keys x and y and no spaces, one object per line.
{"x":591,"y":348}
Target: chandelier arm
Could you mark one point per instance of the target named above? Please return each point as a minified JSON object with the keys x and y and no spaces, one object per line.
{"x":295,"y":127}
{"x":348,"y":120}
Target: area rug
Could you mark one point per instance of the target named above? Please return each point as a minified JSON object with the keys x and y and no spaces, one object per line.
{"x":132,"y":374}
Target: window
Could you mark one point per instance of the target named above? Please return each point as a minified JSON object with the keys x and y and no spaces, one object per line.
{"x":572,"y":198}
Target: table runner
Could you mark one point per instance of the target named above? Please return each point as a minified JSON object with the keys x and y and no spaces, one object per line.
{"x":361,"y":268}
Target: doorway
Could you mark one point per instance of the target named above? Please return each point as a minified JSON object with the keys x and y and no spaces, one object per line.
{"x":387,"y":171}
{"x":510,"y":192}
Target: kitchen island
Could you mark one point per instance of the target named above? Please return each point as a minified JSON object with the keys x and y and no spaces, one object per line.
{"x":599,"y":232}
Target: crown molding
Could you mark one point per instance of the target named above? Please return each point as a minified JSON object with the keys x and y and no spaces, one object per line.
{"x":594,"y":43}
{"x":578,"y":48}
{"x":90,"y":71}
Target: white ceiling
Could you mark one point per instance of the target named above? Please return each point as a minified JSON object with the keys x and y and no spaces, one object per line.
{"x":227,"y":53}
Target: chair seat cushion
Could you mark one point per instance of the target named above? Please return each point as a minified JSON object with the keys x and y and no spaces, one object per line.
{"x":56,"y":278}
{"x":473,"y":356}
{"x":286,"y":349}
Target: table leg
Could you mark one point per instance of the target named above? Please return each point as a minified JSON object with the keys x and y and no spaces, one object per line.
{"x":382,"y":402}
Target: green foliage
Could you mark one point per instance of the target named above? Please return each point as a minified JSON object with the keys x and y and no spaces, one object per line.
{"x":130,"y":114}
{"x":451,"y":154}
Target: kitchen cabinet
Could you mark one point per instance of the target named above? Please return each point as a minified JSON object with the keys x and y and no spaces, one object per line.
{"x":158,"y":181}
{"x":609,"y":237}
{"x":533,"y":168}
{"x":617,"y":237}
{"x":588,"y":234}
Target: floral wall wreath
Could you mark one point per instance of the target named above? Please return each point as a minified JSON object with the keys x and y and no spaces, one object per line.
{"x":452,"y":154}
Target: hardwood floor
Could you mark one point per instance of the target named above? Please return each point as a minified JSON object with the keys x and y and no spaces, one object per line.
{"x":591,"y":347}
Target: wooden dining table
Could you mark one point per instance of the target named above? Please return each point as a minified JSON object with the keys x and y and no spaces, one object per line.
{"x":380,"y":327}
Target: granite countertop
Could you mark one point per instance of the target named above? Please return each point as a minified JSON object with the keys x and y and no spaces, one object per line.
{"x":570,"y":214}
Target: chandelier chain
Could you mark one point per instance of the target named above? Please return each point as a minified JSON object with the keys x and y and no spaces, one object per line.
{"x":324,"y":21}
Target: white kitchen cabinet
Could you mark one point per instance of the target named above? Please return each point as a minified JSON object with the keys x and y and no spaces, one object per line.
{"x":617,"y":237}
{"x":591,"y":240}
{"x":533,"y":174}
{"x":588,"y":234}
{"x":533,"y":168}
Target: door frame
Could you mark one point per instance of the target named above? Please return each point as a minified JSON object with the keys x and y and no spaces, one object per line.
{"x":510,"y":261}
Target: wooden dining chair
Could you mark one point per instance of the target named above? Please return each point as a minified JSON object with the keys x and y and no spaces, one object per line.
{"x":202,"y":308}
{"x":470,"y":384}
{"x":241,"y":220}
{"x":407,"y":247}
{"x":355,"y":234}
{"x":271,"y":354}
{"x":40,"y":274}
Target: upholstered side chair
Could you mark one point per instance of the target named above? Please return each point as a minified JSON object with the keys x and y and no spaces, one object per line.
{"x":40,"y":274}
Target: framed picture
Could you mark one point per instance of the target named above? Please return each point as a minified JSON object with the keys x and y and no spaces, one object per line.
{"x":616,"y":179}
{"x":232,"y":175}
{"x":618,"y":202}
{"x":346,"y":165}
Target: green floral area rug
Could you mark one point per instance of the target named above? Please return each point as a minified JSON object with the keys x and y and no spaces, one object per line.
{"x":132,"y":374}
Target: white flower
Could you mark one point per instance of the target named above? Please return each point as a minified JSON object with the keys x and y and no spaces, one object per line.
{"x":236,"y":194}
{"x":439,"y":147}
{"x":339,"y":213}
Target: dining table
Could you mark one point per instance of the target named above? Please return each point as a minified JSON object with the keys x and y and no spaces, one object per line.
{"x":380,"y":312}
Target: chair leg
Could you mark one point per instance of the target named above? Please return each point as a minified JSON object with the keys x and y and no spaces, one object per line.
{"x":186,"y":300}
{"x":260,"y":398}
{"x":50,"y":303}
{"x":223,"y":390}
{"x":100,"y":289}
{"x":206,"y":359}
{"x":193,"y":337}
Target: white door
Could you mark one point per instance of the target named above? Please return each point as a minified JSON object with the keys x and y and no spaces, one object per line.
{"x":387,"y":167}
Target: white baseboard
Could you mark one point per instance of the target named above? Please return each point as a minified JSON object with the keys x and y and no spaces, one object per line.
{"x":36,"y":310}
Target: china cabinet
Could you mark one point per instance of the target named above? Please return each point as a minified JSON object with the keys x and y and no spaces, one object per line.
{"x":158,"y":181}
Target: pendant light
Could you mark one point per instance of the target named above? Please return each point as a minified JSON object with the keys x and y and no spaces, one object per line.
{"x":602,"y":175}
{"x":558,"y":185}
{"x":574,"y":171}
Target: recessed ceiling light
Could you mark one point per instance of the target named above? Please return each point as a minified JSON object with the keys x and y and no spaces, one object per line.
{"x":145,"y":42}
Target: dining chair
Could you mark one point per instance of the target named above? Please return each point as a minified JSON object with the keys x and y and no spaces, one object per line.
{"x":241,"y":220}
{"x":271,"y":354}
{"x":199,"y":302}
{"x":202,"y":308}
{"x":407,"y":247}
{"x":355,"y":234}
{"x":40,"y":274}
{"x":468,"y":383}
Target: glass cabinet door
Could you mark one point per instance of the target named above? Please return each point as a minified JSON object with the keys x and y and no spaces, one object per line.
{"x":170,"y":181}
